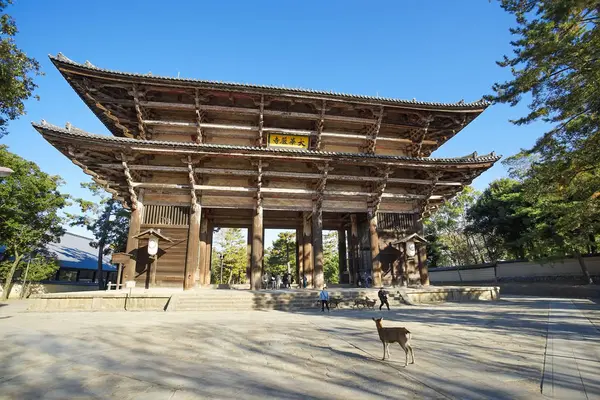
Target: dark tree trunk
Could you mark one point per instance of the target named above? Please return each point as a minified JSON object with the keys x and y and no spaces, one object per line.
{"x":584,"y":269}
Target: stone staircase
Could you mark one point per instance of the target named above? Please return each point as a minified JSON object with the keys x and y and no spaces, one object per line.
{"x":238,"y":300}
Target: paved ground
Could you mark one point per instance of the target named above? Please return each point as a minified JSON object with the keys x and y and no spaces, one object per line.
{"x":517,"y":348}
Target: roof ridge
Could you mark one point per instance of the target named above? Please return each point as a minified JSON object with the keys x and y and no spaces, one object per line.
{"x":61,"y":58}
{"x":81,"y":133}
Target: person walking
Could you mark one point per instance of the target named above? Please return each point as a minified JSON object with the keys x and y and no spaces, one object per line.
{"x":324,"y":296}
{"x":383,"y":298}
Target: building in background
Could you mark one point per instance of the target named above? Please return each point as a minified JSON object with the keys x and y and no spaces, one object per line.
{"x":189,"y":155}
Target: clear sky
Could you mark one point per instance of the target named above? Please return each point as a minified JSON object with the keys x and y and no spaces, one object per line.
{"x":436,"y":50}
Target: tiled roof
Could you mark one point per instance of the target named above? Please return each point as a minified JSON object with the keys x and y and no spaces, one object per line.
{"x":74,"y":251}
{"x":477,"y":105}
{"x":77,"y":133}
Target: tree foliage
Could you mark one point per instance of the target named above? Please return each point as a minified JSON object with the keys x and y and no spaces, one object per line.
{"x":231,"y":244}
{"x":331,"y":258}
{"x":29,"y":210}
{"x":556,"y":64}
{"x":281,"y":253}
{"x":108,"y":220}
{"x":500,"y":216}
{"x":17,"y":72}
{"x":451,"y":242}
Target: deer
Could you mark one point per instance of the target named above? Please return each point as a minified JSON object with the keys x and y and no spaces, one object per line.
{"x":391,"y":335}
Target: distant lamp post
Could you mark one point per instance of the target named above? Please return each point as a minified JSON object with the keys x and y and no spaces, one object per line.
{"x":5,"y":171}
{"x":221,"y":256}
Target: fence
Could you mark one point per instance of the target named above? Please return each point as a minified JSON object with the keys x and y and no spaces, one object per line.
{"x":506,"y":271}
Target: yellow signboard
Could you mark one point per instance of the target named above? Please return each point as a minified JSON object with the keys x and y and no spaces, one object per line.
{"x":284,"y":140}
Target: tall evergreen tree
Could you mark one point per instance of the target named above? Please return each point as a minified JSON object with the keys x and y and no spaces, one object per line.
{"x":556,"y":64}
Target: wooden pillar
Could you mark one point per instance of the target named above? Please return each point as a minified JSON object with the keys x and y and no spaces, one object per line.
{"x":257,"y":248}
{"x":135,"y":221}
{"x":342,"y":253}
{"x":192,"y":259}
{"x":203,"y":255}
{"x":375,"y":261}
{"x":208,"y":252}
{"x":307,"y":249}
{"x":423,"y":270}
{"x":299,"y":255}
{"x":354,"y":246}
{"x":317,"y":219}
{"x":249,"y":254}
{"x":153,"y":268}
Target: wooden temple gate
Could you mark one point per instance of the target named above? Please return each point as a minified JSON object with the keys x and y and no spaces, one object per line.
{"x":187,"y":156}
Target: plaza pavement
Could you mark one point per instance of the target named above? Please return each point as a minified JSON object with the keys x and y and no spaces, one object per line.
{"x":516,"y":348}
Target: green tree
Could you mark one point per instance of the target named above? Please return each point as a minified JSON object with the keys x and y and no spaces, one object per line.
{"x":331,"y":257}
{"x":230,"y":243}
{"x":108,"y":220}
{"x":281,"y":254}
{"x":16,"y":72}
{"x":29,"y":206}
{"x":500,"y":215}
{"x":556,"y":64}
{"x":453,"y":244}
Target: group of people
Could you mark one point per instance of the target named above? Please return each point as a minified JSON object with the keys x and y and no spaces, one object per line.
{"x":324,"y":297}
{"x":278,"y":281}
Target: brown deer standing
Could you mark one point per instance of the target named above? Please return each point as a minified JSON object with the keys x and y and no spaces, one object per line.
{"x":391,"y":335}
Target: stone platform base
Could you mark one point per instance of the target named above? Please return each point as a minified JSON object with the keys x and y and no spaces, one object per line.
{"x":246,"y":300}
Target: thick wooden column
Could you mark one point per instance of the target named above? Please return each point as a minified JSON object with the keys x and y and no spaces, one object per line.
{"x":354,"y":247}
{"x":203,"y":254}
{"x":257,"y":248}
{"x":208,"y":252}
{"x":299,"y":255}
{"x":192,"y":259}
{"x":423,"y":269}
{"x":249,"y":253}
{"x":135,"y":221}
{"x":342,"y":253}
{"x":375,"y":261}
{"x":307,"y":250}
{"x":317,"y":219}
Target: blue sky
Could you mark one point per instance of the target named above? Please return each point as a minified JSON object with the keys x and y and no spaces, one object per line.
{"x":435,"y":50}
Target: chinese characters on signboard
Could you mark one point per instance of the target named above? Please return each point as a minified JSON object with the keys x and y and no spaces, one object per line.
{"x":283,"y":140}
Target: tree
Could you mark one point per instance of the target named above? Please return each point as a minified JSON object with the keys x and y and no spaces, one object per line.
{"x":108,"y":220}
{"x":331,"y":257}
{"x":282,"y":254}
{"x":29,"y":207}
{"x":452,"y":243}
{"x":16,"y":72}
{"x":500,"y":216}
{"x":35,"y":269}
{"x":557,"y":62}
{"x":232,"y":245}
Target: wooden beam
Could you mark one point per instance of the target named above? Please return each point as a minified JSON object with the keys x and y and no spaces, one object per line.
{"x":261,"y":141}
{"x":252,"y":128}
{"x":135,"y":221}
{"x":129,"y":180}
{"x":192,"y":180}
{"x":138,"y":112}
{"x":199,"y":118}
{"x":279,"y":174}
{"x":379,"y":190}
{"x":319,"y":127}
{"x":372,"y":133}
